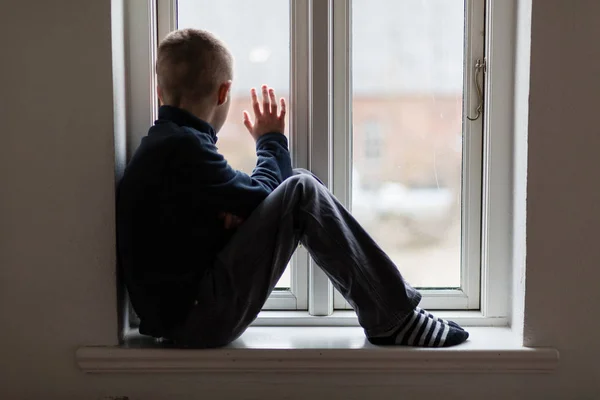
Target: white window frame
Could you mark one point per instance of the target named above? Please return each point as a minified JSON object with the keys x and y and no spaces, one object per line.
{"x":324,"y":75}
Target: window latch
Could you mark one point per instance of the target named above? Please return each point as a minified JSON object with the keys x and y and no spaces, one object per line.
{"x":480,"y":69}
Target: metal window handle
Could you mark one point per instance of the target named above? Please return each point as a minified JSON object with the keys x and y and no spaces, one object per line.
{"x":480,"y":69}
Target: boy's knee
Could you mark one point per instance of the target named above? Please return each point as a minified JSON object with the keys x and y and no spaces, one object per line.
{"x":306,"y":183}
{"x":302,"y":189}
{"x":304,"y":179}
{"x":312,"y":178}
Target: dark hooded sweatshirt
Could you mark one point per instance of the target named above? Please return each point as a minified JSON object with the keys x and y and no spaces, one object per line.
{"x":168,"y":203}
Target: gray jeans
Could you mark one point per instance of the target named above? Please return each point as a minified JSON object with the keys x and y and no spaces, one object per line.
{"x":300,"y":210}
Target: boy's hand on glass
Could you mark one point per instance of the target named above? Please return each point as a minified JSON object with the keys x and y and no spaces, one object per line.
{"x":268,"y":119}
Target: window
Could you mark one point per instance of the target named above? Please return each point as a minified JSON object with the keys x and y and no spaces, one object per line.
{"x":407,"y":112}
{"x":383,"y":100}
{"x":260,"y":56}
{"x":413,"y":154}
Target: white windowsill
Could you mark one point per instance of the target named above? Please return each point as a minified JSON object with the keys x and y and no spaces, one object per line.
{"x":322,"y":350}
{"x":349,"y":318}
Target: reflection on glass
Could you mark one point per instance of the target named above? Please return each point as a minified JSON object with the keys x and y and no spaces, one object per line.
{"x":407,"y":132}
{"x":257,"y":33}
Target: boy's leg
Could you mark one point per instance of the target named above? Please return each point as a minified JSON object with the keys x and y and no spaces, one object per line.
{"x":302,"y":209}
{"x":385,"y":304}
{"x":245,"y":273}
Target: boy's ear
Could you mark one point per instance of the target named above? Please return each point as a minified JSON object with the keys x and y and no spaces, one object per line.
{"x":224,"y":92}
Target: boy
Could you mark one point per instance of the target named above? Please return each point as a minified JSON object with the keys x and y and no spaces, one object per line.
{"x":201,"y":246}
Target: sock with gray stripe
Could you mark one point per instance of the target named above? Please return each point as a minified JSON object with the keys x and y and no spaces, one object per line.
{"x":430,"y":315}
{"x":419,"y":329}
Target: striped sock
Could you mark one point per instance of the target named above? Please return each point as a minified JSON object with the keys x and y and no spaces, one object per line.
{"x":430,"y":315}
{"x":420,"y":330}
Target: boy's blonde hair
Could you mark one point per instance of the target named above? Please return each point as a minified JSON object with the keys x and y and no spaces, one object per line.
{"x":191,"y":64}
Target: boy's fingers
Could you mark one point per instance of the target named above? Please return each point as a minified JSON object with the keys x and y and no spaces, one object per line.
{"x":247,"y":123}
{"x":283,"y":109}
{"x":228,"y":221}
{"x":273,"y":102}
{"x":255,"y":105}
{"x":265,"y":94}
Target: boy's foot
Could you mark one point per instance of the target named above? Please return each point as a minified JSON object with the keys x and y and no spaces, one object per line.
{"x":430,"y":315}
{"x":421,"y":330}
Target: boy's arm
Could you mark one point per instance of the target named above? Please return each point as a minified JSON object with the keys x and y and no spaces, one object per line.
{"x":227,"y":190}
{"x":273,"y":164}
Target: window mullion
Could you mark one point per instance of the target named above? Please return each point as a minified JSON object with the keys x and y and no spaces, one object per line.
{"x":299,"y":126}
{"x":320,"y":147}
{"x":342,"y":112}
{"x":342,"y":103}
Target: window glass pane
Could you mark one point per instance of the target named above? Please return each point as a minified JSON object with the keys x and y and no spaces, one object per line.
{"x":257,"y":33}
{"x":407,"y":76}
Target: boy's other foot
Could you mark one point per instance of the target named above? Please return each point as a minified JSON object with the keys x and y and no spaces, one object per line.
{"x":419,"y":329}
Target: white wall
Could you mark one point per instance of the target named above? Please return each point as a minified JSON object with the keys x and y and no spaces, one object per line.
{"x":562,"y":303}
{"x":57,"y":285}
{"x":521,"y":117}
